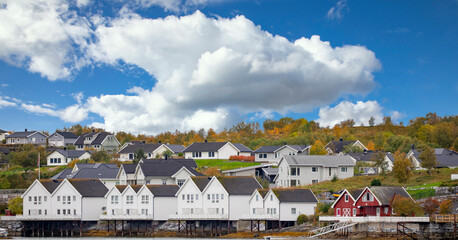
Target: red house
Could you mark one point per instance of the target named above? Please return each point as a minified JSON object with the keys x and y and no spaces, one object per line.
{"x":371,"y":201}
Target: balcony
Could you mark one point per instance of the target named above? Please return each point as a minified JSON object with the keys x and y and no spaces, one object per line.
{"x":127,"y":217}
{"x":47,"y":217}
{"x":373,"y":219}
{"x":198,"y":214}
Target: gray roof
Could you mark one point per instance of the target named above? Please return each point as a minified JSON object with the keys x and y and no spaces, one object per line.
{"x":147,"y":148}
{"x":239,"y":185}
{"x":98,"y":171}
{"x":98,"y":139}
{"x":364,"y":156}
{"x":205,"y":147}
{"x":23,"y":134}
{"x":50,"y":184}
{"x":96,"y":165}
{"x":338,"y":146}
{"x":201,"y":181}
{"x":164,"y":168}
{"x":187,"y":162}
{"x":444,"y":157}
{"x":319,"y":160}
{"x":62,"y":174}
{"x":71,"y":153}
{"x":295,"y":195}
{"x":163,"y":190}
{"x":272,"y":149}
{"x":67,"y":134}
{"x":129,"y":168}
{"x":2,"y":131}
{"x":241,"y":147}
{"x":89,"y":187}
{"x":386,"y":194}
{"x":356,"y":192}
{"x":176,"y":148}
{"x":270,"y":171}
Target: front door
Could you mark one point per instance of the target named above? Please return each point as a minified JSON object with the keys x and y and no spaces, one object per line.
{"x":346,"y":212}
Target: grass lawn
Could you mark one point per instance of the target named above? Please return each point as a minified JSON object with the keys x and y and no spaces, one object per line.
{"x":223,"y":164}
{"x":417,"y":180}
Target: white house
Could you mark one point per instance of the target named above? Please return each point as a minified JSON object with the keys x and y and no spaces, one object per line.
{"x":164,"y":172}
{"x":61,"y":139}
{"x":64,"y":200}
{"x":27,"y":137}
{"x":217,"y":198}
{"x":274,"y":153}
{"x":141,"y":202}
{"x":97,"y":141}
{"x":126,"y":174}
{"x":61,"y":157}
{"x":105,"y":172}
{"x":216,"y":150}
{"x":151,"y":150}
{"x":307,"y":169}
{"x":338,"y":147}
{"x":445,"y":158}
{"x":3,"y":134}
{"x":283,"y":205}
{"x":368,"y":157}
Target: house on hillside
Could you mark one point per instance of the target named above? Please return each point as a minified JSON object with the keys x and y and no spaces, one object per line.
{"x":61,"y":157}
{"x":274,"y":153}
{"x":64,"y":200}
{"x":368,"y":159}
{"x":141,"y":202}
{"x":27,"y":137}
{"x":151,"y":150}
{"x":97,"y":141}
{"x":283,"y":205}
{"x":126,"y":174}
{"x":3,"y":134}
{"x":105,"y":172}
{"x":308,"y":169}
{"x":216,"y":198}
{"x":61,"y":139}
{"x":164,"y":172}
{"x":338,"y":147}
{"x":216,"y":150}
{"x":370,"y":201}
{"x":445,"y":158}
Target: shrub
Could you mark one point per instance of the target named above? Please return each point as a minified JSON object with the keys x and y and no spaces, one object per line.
{"x":376,"y":182}
{"x":15,"y":205}
{"x":446,"y":207}
{"x":242,"y":158}
{"x":334,"y":179}
{"x":406,"y":207}
{"x":323,"y":208}
{"x":301,"y":219}
{"x":3,"y":207}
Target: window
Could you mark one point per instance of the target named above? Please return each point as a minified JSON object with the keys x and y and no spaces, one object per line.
{"x":276,"y":155}
{"x":63,"y":212}
{"x":58,"y":211}
{"x":208,"y":196}
{"x":271,"y":197}
{"x":330,"y":171}
{"x":30,"y":198}
{"x":197,"y":197}
{"x":74,"y":198}
{"x":74,"y":211}
{"x":386,"y":210}
{"x":196,"y":154}
{"x":182,"y":197}
{"x":257,"y":198}
{"x":293,"y":210}
{"x":192,"y":210}
{"x":68,"y":199}
{"x":58,"y":198}
{"x":354,"y":212}
{"x":114,"y":199}
{"x":164,"y":181}
{"x":35,"y":200}
{"x":315,"y":181}
{"x":180,"y":182}
{"x":144,"y":211}
{"x":145,"y":199}
{"x":112,"y":212}
{"x":338,"y":211}
{"x":39,"y":199}
{"x":314,"y":169}
{"x":368,"y":197}
{"x":265,"y":155}
{"x":222,"y":196}
{"x":213,"y":198}
{"x":217,"y":210}
{"x":254,"y":210}
{"x":128,"y":211}
{"x":130,"y":199}
{"x":346,"y":197}
{"x":268,"y":211}
{"x":222,"y":210}
{"x":260,"y":155}
{"x":46,"y":212}
{"x":39,"y":211}
{"x":45,"y":198}
{"x":211,"y":154}
{"x":343,"y":169}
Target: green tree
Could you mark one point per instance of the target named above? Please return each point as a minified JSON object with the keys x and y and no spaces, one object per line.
{"x":100,"y":156}
{"x":350,"y":148}
{"x":372,"y":121}
{"x":406,"y":207}
{"x":139,"y":155}
{"x":301,"y":219}
{"x":428,"y":158}
{"x":379,"y":162}
{"x":376,"y":182}
{"x":402,"y":168}
{"x":167,"y":153}
{"x":379,"y":141}
{"x":15,"y":205}
{"x":446,"y":207}
{"x":317,"y":149}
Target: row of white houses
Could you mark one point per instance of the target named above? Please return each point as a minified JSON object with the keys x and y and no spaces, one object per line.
{"x":198,"y":199}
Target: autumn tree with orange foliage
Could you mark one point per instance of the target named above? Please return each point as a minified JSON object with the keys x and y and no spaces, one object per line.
{"x":370,"y":146}
{"x":318,"y":148}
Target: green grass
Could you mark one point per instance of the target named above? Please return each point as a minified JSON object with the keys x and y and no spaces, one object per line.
{"x":417,"y":180}
{"x":223,"y":164}
{"x":422,"y":193}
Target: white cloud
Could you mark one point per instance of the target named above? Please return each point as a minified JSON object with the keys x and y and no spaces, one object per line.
{"x":73,"y":114}
{"x":6,"y":102}
{"x":360,"y":112}
{"x":82,"y":3}
{"x":40,"y":34}
{"x":336,"y":12}
{"x":396,"y":116}
{"x":78,"y":97}
{"x":4,"y":85}
{"x":212,"y":66}
{"x":172,"y":5}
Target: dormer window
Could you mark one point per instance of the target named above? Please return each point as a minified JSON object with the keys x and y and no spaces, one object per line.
{"x":346,"y":198}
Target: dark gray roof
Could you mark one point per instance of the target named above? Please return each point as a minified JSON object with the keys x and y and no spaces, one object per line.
{"x":267,"y":149}
{"x":147,"y":148}
{"x":319,"y":160}
{"x":338,"y":146}
{"x":295,"y":195}
{"x":201,"y":181}
{"x":62,"y":174}
{"x":241,"y":147}
{"x":98,"y":171}
{"x":2,"y":131}
{"x":96,"y":165}
{"x":364,"y":156}
{"x":163,"y":190}
{"x":50,"y":184}
{"x":67,"y":134}
{"x":176,"y":148}
{"x":270,"y":171}
{"x":386,"y":194}
{"x":129,"y":168}
{"x":187,"y":162}
{"x":121,"y":188}
{"x":164,"y":168}
{"x":23,"y":134}
{"x":80,"y":139}
{"x":444,"y":157}
{"x":299,"y":148}
{"x":205,"y":147}
{"x":71,"y":153}
{"x":356,"y":192}
{"x":97,"y":141}
{"x":89,"y":187}
{"x":239,"y":185}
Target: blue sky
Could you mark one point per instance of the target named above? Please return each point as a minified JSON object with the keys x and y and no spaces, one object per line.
{"x":136,"y":68}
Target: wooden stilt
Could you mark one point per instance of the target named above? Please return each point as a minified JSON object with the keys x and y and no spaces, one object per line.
{"x":130,"y":228}
{"x":115,"y":227}
{"x":152,"y":227}
{"x":122,"y":228}
{"x":81,"y":228}
{"x":138,"y":228}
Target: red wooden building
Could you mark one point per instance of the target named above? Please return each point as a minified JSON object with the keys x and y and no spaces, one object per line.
{"x":370,"y":201}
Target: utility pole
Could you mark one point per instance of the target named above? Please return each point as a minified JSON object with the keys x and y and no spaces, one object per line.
{"x":38,"y":165}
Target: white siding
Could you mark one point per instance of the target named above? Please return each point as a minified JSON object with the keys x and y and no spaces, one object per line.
{"x":301,"y":208}
{"x":257,"y":203}
{"x":226,"y":151}
{"x":164,"y":207}
{"x":215,"y":197}
{"x":238,"y":206}
{"x":271,"y":202}
{"x":148,"y":205}
{"x":92,"y":208}
{"x":183,"y":205}
{"x":56,"y":155}
{"x":64,"y":191}
{"x":37,"y":190}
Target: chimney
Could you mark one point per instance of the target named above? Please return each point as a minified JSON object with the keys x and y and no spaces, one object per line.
{"x":284,"y":143}
{"x":93,"y":130}
{"x":160,"y":141}
{"x":413,"y":146}
{"x":65,"y":148}
{"x":364,"y":151}
{"x":26,"y":130}
{"x":205,"y":140}
{"x":165,"y":156}
{"x":143,"y":142}
{"x":341,"y":139}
